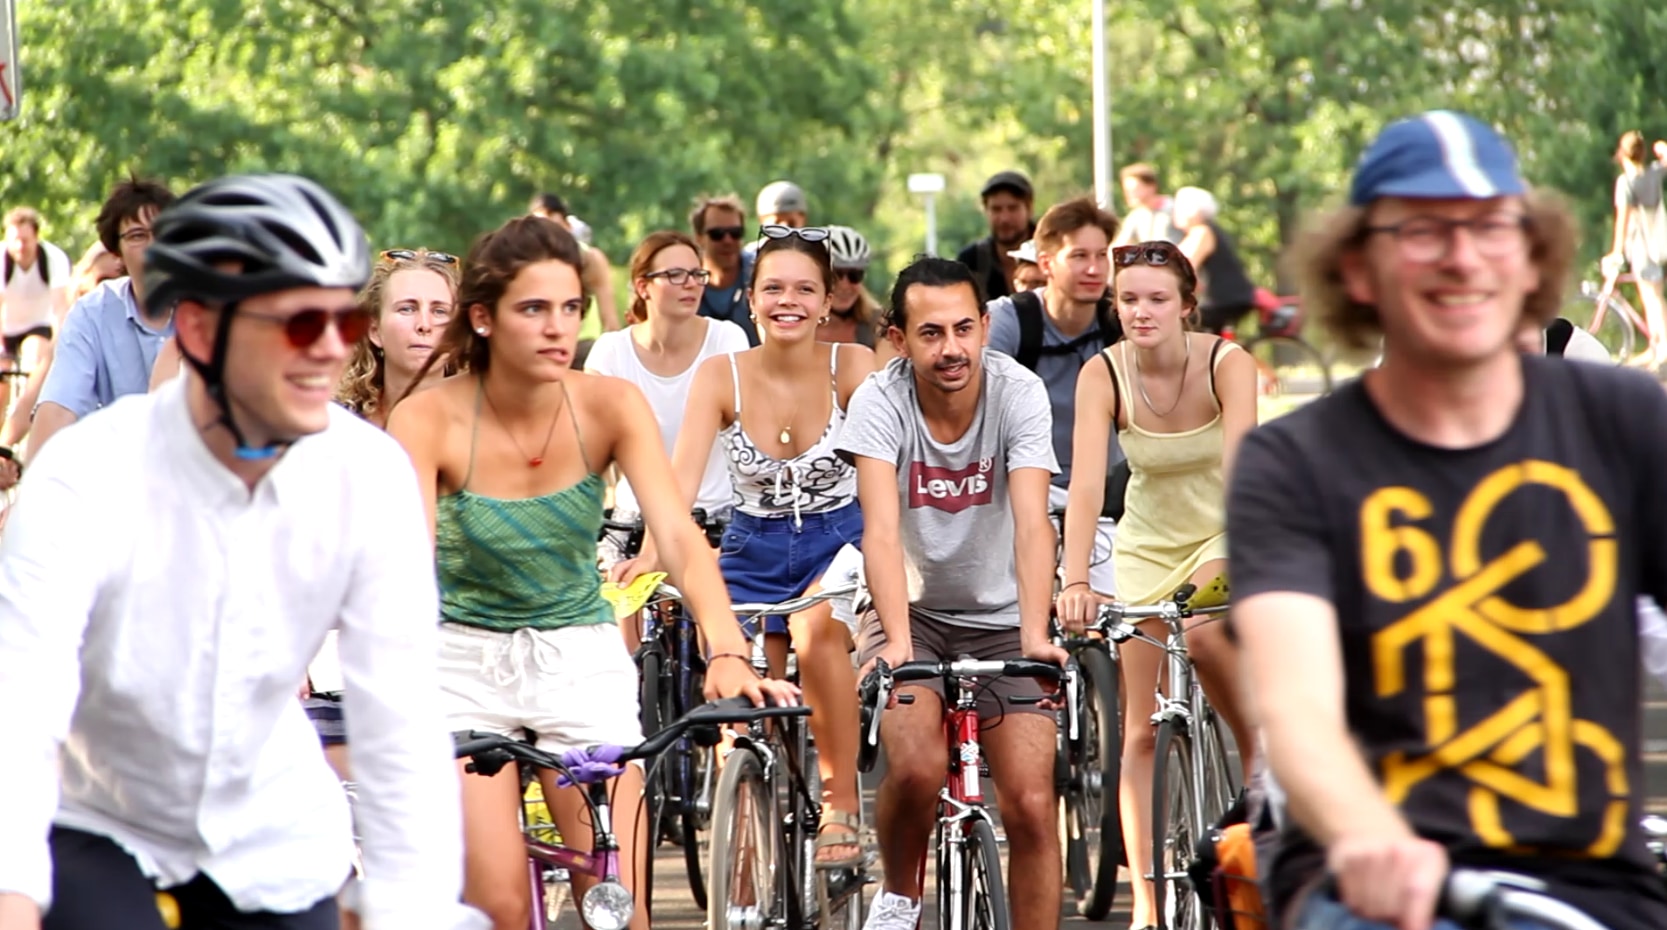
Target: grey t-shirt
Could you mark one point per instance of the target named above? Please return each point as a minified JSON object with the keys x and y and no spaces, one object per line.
{"x":1143,"y":224}
{"x":957,"y":523}
{"x":1058,"y":373}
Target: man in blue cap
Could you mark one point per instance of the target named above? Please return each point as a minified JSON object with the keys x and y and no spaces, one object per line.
{"x":1435,"y":567}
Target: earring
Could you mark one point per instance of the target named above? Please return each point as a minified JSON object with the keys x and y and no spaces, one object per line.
{"x":823,"y":321}
{"x":481,"y":331}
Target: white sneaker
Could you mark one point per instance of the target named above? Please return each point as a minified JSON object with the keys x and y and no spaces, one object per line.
{"x":892,"y":912}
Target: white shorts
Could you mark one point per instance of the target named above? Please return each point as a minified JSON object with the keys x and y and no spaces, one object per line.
{"x":1101,"y":577}
{"x":573,"y":687}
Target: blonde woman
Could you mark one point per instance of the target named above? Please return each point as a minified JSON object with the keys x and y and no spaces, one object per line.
{"x":412,"y":293}
{"x":854,"y":314}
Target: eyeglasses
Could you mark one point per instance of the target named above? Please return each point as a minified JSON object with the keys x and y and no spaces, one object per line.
{"x":411,"y":255}
{"x":1430,"y":238}
{"x":720,"y":233}
{"x":853,"y":275}
{"x":677,"y":277}
{"x":807,"y":233}
{"x":307,"y":327}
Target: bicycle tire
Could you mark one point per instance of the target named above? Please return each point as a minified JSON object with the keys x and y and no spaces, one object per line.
{"x":1284,"y":354}
{"x":1615,"y":331}
{"x":1094,"y":847}
{"x":743,"y":786}
{"x":651,"y":714}
{"x":1175,"y":828}
{"x":693,"y":774}
{"x":986,"y":896}
{"x":1221,"y":780}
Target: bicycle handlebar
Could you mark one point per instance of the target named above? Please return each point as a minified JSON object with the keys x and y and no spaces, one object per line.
{"x":974,"y":668}
{"x":796,"y":604}
{"x":491,"y":751}
{"x":1479,"y":899}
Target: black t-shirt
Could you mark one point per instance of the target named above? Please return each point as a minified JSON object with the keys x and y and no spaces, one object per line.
{"x":1485,"y":601}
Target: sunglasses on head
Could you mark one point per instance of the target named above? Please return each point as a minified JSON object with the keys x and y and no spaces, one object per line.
{"x":411,"y":255}
{"x":720,"y":233}
{"x":307,"y":327}
{"x":1150,"y":253}
{"x":807,"y":233}
{"x":853,"y":275}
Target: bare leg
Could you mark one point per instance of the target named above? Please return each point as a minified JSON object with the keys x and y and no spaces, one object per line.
{"x":823,"y":645}
{"x":907,"y":809}
{"x":1025,"y":796}
{"x":495,"y":853}
{"x":1141,"y":665}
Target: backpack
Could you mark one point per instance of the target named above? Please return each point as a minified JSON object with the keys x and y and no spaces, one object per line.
{"x":1108,"y":329}
{"x":1224,"y":874}
{"x":42,"y":265}
{"x":1027,"y":307}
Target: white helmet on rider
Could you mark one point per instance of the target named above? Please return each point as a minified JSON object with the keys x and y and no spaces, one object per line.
{"x":847,"y":248}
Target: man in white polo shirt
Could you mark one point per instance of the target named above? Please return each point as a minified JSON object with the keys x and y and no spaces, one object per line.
{"x":35,"y":294}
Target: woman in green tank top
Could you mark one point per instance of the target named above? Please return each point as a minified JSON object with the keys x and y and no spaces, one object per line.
{"x":509,"y":455}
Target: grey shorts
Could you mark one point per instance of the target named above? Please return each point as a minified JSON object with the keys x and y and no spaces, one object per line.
{"x":936,"y":640}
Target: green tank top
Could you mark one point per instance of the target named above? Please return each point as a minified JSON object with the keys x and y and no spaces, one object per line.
{"x":525,"y":563}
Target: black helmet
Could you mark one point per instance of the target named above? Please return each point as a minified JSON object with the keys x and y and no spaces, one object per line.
{"x":284,"y":231}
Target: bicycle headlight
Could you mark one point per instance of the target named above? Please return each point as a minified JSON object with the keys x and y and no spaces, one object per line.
{"x":608,"y":906}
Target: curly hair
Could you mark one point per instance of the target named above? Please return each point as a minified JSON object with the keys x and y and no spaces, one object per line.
{"x":364,"y":379}
{"x":1315,"y":262}
{"x":493,"y":262}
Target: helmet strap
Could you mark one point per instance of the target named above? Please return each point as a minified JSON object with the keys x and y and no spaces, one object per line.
{"x":213,"y":374}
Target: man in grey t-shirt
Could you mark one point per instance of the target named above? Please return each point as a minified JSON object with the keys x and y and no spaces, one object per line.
{"x":954,"y":452}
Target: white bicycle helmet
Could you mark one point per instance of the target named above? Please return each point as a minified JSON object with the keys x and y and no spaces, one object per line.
{"x":847,"y":247}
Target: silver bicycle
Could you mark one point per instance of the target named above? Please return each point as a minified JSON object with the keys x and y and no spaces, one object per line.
{"x":1192,"y":783}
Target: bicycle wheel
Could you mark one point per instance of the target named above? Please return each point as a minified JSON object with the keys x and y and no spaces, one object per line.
{"x":652,"y":714}
{"x":1289,"y":365}
{"x":693,"y":774}
{"x":746,"y":849}
{"x":984,"y":897}
{"x":1093,"y":824}
{"x":1221,"y":776}
{"x":1614,"y":329}
{"x":1176,"y":824}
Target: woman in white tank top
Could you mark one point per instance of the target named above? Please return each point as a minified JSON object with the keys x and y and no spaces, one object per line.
{"x":660,"y":353}
{"x":775,"y":413}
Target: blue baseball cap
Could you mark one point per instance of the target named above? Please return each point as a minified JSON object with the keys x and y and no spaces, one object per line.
{"x":1439,"y":155}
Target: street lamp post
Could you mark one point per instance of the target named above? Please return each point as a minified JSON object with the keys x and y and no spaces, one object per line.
{"x":1102,"y":110}
{"x":929,"y":186}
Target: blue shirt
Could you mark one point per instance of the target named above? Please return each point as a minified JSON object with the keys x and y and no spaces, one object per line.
{"x":104,"y":351}
{"x":1059,"y":375}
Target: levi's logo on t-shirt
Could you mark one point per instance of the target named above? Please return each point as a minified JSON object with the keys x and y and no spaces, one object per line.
{"x":951,"y":490}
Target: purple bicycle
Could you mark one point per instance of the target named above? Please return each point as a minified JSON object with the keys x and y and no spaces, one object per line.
{"x":608,"y":905}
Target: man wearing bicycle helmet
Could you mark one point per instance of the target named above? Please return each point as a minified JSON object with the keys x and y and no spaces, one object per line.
{"x":1435,"y":568}
{"x":148,"y":669}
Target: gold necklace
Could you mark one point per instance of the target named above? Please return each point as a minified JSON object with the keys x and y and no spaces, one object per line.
{"x":1140,"y":381}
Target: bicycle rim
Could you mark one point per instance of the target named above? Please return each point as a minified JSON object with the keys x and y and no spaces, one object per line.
{"x":1092,"y":797}
{"x":743,"y":889}
{"x":986,"y":896}
{"x":1175,"y":815}
{"x":1614,"y":330}
{"x":1220,"y":778}
{"x":1289,"y":366}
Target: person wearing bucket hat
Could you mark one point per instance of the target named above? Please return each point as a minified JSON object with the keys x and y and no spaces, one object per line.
{"x":1435,"y":567}
{"x":1027,"y":272}
{"x":1009,"y":204}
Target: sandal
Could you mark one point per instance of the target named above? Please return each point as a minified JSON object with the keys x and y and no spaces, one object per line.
{"x":846,"y":831}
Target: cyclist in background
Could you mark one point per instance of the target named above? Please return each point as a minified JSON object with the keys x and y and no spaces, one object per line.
{"x":854,"y":314}
{"x":598,"y":275}
{"x":1027,"y":271}
{"x":509,"y":456}
{"x":1181,"y":432}
{"x":148,"y":669}
{"x":1009,"y":204}
{"x":660,"y":353}
{"x":411,"y":297}
{"x":1436,"y":567}
{"x":1225,"y":293}
{"x":720,"y":225}
{"x":953,"y":451}
{"x":1151,"y":214}
{"x":1641,"y":234}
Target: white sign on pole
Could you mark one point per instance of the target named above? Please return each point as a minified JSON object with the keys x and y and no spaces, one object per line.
{"x":11,"y":89}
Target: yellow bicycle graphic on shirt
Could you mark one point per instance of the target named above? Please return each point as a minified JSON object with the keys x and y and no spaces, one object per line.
{"x":1402,"y":563}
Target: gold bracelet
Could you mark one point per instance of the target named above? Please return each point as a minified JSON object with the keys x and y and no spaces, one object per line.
{"x":1072,"y":585}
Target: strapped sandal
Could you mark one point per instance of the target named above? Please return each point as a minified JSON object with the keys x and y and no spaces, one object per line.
{"x":847,"y":831}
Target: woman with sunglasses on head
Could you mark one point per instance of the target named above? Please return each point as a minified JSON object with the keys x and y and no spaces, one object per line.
{"x":411,"y":293}
{"x":775,"y":412}
{"x":659,"y":353}
{"x":1181,"y":403}
{"x":854,"y":314}
{"x":509,"y":454}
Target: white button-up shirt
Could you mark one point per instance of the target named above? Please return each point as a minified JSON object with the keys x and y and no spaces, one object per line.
{"x":156,"y":620}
